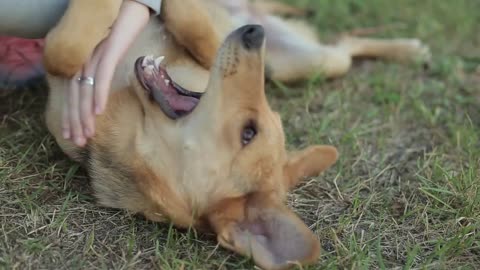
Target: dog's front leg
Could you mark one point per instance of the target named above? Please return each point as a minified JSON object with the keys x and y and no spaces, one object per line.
{"x":193,"y":28}
{"x":83,"y":26}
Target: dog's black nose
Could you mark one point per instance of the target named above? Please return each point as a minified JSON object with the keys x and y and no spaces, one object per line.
{"x":252,"y":36}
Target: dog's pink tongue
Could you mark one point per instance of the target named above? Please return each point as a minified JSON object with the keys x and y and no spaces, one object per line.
{"x":164,"y":91}
{"x":180,"y":103}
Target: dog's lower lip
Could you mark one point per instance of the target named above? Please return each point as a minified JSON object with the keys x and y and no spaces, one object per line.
{"x":185,"y":92}
{"x":138,"y":68}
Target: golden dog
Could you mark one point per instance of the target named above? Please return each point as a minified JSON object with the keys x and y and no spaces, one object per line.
{"x":189,"y":137}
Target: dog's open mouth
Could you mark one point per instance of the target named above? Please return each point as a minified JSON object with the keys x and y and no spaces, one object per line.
{"x":174,"y":100}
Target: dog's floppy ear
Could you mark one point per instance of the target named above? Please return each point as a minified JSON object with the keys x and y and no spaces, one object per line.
{"x":309,"y":162}
{"x":271,"y":234}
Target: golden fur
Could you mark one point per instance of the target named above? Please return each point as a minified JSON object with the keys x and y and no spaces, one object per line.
{"x":194,"y":171}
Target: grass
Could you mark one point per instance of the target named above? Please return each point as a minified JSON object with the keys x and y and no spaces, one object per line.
{"x":405,"y":193}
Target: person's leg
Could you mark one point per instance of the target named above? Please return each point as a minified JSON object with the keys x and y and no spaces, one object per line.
{"x":23,"y":25}
{"x":30,"y":18}
{"x":20,"y":62}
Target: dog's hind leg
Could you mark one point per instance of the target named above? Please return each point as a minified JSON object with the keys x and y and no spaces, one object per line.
{"x":191,"y":25}
{"x":294,"y":53}
{"x":293,"y":61}
{"x":278,"y":8}
{"x":401,"y":50}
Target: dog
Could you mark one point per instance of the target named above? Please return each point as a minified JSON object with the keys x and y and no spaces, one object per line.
{"x":188,"y":136}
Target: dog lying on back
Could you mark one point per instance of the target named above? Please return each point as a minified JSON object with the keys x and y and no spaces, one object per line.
{"x":188,"y":136}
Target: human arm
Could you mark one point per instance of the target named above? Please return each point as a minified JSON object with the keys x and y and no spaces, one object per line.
{"x":83,"y":101}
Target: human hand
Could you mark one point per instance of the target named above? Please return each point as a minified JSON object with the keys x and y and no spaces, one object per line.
{"x":89,"y":88}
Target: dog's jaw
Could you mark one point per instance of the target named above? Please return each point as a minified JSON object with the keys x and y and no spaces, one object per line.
{"x":174,"y":100}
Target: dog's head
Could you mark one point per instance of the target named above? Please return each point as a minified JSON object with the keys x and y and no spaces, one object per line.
{"x":230,"y":163}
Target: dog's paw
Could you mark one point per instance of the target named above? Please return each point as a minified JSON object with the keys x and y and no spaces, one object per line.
{"x":65,"y":58}
{"x":413,"y":50}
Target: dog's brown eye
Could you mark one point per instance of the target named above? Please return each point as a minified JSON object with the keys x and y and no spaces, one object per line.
{"x":248,"y":134}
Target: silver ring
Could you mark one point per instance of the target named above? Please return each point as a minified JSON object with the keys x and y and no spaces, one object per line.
{"x":86,"y":80}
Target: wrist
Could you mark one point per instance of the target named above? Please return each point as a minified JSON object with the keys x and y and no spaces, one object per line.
{"x":138,"y":7}
{"x":154,"y":6}
{"x":132,"y":19}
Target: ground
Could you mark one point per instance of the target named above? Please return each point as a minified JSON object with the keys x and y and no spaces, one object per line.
{"x":404,"y":194}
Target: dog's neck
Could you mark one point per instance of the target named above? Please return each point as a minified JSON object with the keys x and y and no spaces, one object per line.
{"x":171,"y":149}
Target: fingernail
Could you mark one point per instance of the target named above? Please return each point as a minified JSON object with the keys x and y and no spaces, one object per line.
{"x":66,"y":134}
{"x":87,"y":132}
{"x":98,"y":110}
{"x":80,"y":141}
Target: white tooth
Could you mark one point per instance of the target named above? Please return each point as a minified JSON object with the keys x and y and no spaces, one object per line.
{"x":144,"y":62}
{"x":149,"y":60}
{"x":158,"y":61}
{"x":149,"y":69}
{"x":167,"y":81}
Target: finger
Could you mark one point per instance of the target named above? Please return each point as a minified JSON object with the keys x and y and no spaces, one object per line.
{"x":86,"y":106}
{"x":74,"y":116}
{"x":124,"y":31}
{"x":104,"y":75}
{"x":86,"y":102}
{"x":66,"y":117}
{"x":87,"y":111}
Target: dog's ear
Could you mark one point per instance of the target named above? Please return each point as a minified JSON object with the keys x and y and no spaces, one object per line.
{"x":309,"y":162}
{"x":271,"y":234}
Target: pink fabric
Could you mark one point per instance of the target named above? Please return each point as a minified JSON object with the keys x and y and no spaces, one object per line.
{"x":20,"y":60}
